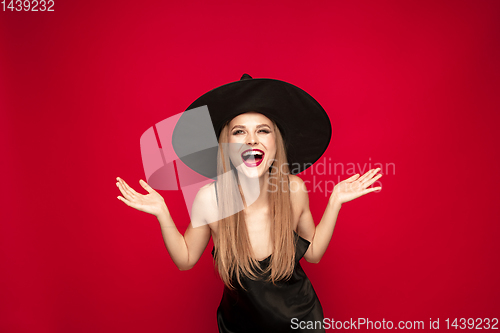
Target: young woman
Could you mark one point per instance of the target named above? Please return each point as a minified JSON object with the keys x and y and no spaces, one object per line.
{"x":257,"y":212}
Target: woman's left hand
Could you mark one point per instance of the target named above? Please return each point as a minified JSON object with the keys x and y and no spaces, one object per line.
{"x":355,"y":186}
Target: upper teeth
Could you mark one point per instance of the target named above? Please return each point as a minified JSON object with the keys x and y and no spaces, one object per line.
{"x":252,"y":152}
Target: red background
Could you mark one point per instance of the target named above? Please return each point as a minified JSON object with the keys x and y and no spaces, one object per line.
{"x":406,"y":82}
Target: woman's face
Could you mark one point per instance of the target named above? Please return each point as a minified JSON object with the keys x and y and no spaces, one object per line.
{"x":252,"y":147}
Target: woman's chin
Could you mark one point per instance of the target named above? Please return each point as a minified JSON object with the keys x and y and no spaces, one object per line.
{"x":251,"y":172}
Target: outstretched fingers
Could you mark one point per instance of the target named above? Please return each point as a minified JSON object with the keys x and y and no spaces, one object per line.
{"x":127,"y":202}
{"x":371,"y":189}
{"x":368,"y":174}
{"x":146,"y":186}
{"x":369,"y":182}
{"x":364,"y":176}
{"x":352,"y":178}
{"x":126,"y":190}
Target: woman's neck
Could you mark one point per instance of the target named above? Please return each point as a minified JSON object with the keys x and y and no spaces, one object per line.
{"x":256,"y":194}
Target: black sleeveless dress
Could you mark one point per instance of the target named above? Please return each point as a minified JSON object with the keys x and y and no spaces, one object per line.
{"x":265,"y":307}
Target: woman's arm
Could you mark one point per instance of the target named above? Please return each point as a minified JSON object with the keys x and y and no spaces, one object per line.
{"x":186,"y":250}
{"x":320,"y":235}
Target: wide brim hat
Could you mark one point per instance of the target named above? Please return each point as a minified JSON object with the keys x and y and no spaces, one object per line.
{"x":302,"y":121}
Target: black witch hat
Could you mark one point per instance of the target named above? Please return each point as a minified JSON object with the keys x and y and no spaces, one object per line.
{"x":304,"y":124}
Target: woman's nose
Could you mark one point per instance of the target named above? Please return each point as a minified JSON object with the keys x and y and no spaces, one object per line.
{"x":252,"y":140}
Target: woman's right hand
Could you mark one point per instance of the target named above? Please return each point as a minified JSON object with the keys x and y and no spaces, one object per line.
{"x":152,"y":203}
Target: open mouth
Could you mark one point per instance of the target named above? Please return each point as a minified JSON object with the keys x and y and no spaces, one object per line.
{"x":252,"y":157}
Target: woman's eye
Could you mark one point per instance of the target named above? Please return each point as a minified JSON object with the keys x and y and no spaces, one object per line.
{"x":261,"y":131}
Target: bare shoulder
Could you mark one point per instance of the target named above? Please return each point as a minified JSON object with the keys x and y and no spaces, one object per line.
{"x":299,"y":197}
{"x":303,"y":222}
{"x":205,"y":203}
{"x":296,"y":182}
{"x":298,"y":189}
{"x":207,"y":191}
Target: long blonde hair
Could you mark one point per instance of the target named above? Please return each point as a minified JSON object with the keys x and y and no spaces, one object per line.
{"x":232,"y":255}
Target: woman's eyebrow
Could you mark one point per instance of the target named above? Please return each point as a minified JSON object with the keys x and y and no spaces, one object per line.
{"x":242,"y":126}
{"x":237,"y":126}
